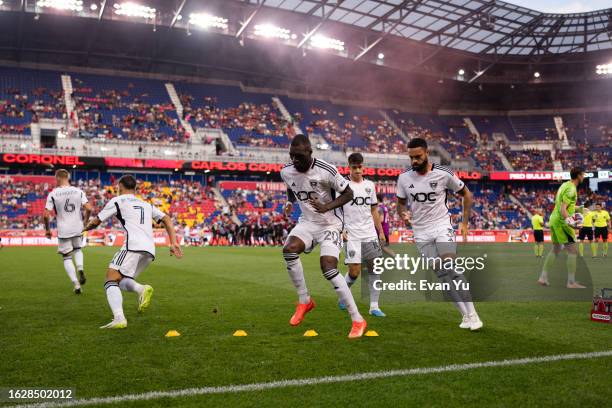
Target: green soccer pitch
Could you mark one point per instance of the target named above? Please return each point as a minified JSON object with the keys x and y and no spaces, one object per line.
{"x":50,"y":338}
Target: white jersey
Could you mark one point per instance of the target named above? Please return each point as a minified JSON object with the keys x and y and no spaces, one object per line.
{"x":426,"y":195}
{"x":358,"y":220}
{"x":322,"y":181}
{"x":137,"y":217}
{"x":67,"y":202}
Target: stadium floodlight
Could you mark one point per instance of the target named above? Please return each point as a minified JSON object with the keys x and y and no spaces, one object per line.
{"x":604,"y":69}
{"x":536,"y":74}
{"x":321,"y":41}
{"x":461,"y":72}
{"x":381,"y":56}
{"x":1,"y":2}
{"x":93,"y":7}
{"x":272,"y":31}
{"x":204,"y":20}
{"x":70,"y":5}
{"x":130,"y":9}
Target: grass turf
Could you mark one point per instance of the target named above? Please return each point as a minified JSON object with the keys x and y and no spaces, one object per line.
{"x":51,"y":338}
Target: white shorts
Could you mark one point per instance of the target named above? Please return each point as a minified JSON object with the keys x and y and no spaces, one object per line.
{"x":130,"y":263}
{"x":66,"y":245}
{"x":435,"y":242}
{"x":329,"y":238}
{"x":359,"y":251}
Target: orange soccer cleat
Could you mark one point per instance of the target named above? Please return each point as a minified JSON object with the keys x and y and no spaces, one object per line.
{"x":358,"y":329}
{"x":300,"y":312}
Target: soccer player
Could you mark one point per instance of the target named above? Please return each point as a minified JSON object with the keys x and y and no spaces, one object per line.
{"x":601,"y":220}
{"x":537,"y":222}
{"x":363,"y":230}
{"x":383,"y":213}
{"x":68,"y":202}
{"x":586,"y":232}
{"x":320,"y":192}
{"x":562,"y":231}
{"x":138,"y":251}
{"x":424,"y":188}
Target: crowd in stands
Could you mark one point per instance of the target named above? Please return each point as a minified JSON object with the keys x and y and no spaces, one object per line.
{"x":586,"y":156}
{"x":18,"y":108}
{"x":125,"y":114}
{"x":256,"y":120}
{"x":530,"y":160}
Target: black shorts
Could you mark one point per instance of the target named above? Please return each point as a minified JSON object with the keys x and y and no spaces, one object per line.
{"x":601,"y":232}
{"x":585,"y":233}
{"x":538,"y":235}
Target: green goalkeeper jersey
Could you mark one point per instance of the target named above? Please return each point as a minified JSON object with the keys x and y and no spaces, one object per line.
{"x":566,"y":194}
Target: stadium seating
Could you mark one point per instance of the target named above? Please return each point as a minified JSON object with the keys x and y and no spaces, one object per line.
{"x":125,"y":109}
{"x":27,"y":96}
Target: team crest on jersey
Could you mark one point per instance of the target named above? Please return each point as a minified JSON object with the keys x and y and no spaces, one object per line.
{"x":351,"y":253}
{"x":368,"y":190}
{"x":433,"y":185}
{"x":313,"y":183}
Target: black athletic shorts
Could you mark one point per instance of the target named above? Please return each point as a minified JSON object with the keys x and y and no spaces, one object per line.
{"x":585,"y":233}
{"x":601,"y":232}
{"x":538,"y":235}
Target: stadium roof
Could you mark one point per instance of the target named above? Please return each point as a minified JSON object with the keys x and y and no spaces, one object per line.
{"x":477,"y":26}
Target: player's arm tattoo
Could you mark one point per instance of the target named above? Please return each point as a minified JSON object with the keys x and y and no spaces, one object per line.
{"x":46,"y":217}
{"x":468,"y":199}
{"x":93,"y":223}
{"x":88,"y":209}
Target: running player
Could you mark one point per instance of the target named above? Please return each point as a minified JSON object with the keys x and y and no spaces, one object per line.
{"x":138,"y":251}
{"x":586,"y":232}
{"x":601,"y":220}
{"x":314,"y":184}
{"x":424,"y":188}
{"x":364,"y":232}
{"x":68,"y":202}
{"x":537,"y":222}
{"x":562,"y":231}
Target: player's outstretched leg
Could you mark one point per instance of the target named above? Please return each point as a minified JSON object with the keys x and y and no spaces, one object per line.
{"x":291,"y":253}
{"x":115,"y":300}
{"x":351,"y":277}
{"x":69,"y":267}
{"x":329,"y":267}
{"x":145,"y":292}
{"x":78,"y":260}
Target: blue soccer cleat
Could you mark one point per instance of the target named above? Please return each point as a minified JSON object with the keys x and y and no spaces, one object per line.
{"x":341,"y":305}
{"x":377,"y":313}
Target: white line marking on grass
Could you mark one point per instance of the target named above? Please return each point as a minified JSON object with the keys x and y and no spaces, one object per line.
{"x":230,"y":389}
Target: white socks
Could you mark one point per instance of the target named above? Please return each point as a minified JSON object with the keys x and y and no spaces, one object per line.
{"x":130,"y":285}
{"x":115,"y":299}
{"x":349,"y":280}
{"x":344,"y":293}
{"x":69,"y":267}
{"x":78,"y":259}
{"x":296,"y":273}
{"x":374,"y":293}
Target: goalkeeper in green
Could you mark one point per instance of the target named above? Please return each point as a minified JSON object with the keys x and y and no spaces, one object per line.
{"x":562,"y":233}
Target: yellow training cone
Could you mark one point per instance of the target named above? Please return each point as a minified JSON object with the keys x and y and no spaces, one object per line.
{"x":173,"y":333}
{"x":240,"y":333}
{"x":310,"y":333}
{"x":371,"y":333}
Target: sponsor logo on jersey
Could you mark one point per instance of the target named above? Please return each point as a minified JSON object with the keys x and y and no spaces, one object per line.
{"x":424,"y":197}
{"x":305,"y":195}
{"x":361,"y":201}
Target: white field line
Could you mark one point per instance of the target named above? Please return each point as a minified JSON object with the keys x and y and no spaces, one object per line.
{"x":230,"y":389}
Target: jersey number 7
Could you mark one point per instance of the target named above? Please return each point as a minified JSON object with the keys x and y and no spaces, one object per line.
{"x":137,"y":207}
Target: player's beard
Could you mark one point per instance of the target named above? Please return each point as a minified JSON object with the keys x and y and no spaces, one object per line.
{"x":420,"y":167}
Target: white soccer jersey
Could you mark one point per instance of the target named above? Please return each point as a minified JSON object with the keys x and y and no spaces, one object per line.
{"x":67,"y":202}
{"x":137,"y":217}
{"x":321,"y":181}
{"x":426,"y":195}
{"x":358,"y":220}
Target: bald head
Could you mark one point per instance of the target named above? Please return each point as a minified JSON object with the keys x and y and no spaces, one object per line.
{"x":300,"y":140}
